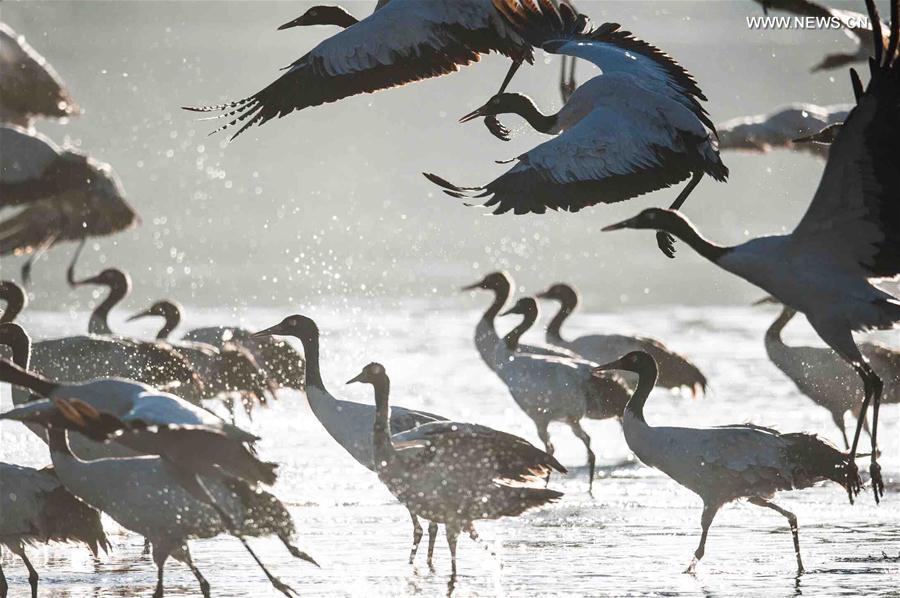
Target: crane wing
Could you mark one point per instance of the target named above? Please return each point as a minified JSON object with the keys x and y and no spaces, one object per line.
{"x":401,"y":42}
{"x":854,"y":217}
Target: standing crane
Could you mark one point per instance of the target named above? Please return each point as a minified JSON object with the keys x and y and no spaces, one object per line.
{"x":36,"y":507}
{"x":401,"y":42}
{"x":848,"y":238}
{"x":637,"y":127}
{"x":727,"y":463}
{"x":455,"y":473}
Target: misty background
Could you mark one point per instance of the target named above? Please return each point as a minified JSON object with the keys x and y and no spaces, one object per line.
{"x":330,"y":202}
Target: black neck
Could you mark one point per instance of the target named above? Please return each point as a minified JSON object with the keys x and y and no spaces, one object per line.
{"x":15,"y":301}
{"x":513,"y":336}
{"x":554,"y":328}
{"x":647,"y":373}
{"x":335,"y":15}
{"x":311,"y":354}
{"x":173,"y":318}
{"x":381,"y":430}
{"x":678,"y":226}
{"x":501,"y":294}
{"x":99,"y":322}
{"x":515,"y":103}
{"x":774,"y":331}
{"x":16,"y":375}
{"x":18,"y":342}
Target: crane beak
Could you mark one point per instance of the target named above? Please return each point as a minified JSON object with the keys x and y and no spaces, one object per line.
{"x":472,"y":287}
{"x":270,"y":331}
{"x":617,"y":226}
{"x":544,"y":295}
{"x":612,"y":365}
{"x":474,"y":114}
{"x":298,"y":22}
{"x":358,"y":378}
{"x":139,"y":315}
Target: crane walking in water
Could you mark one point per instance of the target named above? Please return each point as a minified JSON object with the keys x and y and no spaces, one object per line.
{"x":728,"y":463}
{"x":848,"y":239}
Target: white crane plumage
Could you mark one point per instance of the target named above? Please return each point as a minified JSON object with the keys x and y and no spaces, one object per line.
{"x":36,"y":508}
{"x":29,"y":86}
{"x":856,"y":26}
{"x":401,"y":42}
{"x":349,"y":423}
{"x":455,"y":473}
{"x":829,"y":381}
{"x":637,"y":127}
{"x":848,"y":240}
{"x":675,"y":371}
{"x":727,"y":463}
{"x":549,"y":388}
{"x":793,"y":127}
{"x":63,"y":194}
{"x":198,"y":452}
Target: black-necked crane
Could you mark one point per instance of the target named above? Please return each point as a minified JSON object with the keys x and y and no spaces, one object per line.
{"x":281,"y":363}
{"x":348,"y":422}
{"x":675,"y":371}
{"x":226,"y":370}
{"x":35,"y":507}
{"x":486,"y":337}
{"x":15,"y":298}
{"x":203,"y":465}
{"x":727,"y":463}
{"x":829,"y":381}
{"x":455,"y":473}
{"x":856,"y":25}
{"x":63,"y":194}
{"x":561,"y":389}
{"x":401,"y":42}
{"x":794,"y":127}
{"x":848,"y":238}
{"x":29,"y":86}
{"x":637,"y":127}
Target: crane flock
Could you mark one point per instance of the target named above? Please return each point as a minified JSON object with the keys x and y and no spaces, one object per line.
{"x":133,"y":428}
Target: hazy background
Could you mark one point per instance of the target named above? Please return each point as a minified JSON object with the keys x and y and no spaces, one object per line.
{"x":331,"y":200}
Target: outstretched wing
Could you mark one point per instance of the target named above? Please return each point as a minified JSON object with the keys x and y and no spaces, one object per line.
{"x":854,"y":217}
{"x":614,"y":153}
{"x":402,"y":42}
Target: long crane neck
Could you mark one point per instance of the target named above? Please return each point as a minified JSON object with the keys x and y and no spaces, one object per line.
{"x":19,"y":343}
{"x":516,"y":103}
{"x":773,"y":333}
{"x":172,"y":315}
{"x":381,"y":428}
{"x":554,"y":329}
{"x":311,"y":354}
{"x":99,"y":322}
{"x":647,"y":373}
{"x":17,"y":375}
{"x":513,"y":336}
{"x":15,"y":299}
{"x":677,"y":225}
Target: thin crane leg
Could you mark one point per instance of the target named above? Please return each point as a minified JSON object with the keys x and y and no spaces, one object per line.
{"x":477,"y":539}
{"x":417,"y":537}
{"x":37,"y":254}
{"x":544,"y":435}
{"x":873,"y":386}
{"x":792,"y":521}
{"x":492,"y":122}
{"x":567,"y":86}
{"x":183,"y":554}
{"x":160,"y":555}
{"x":296,"y":552}
{"x":432,"y":538}
{"x":452,"y":531}
{"x":146,"y":549}
{"x":592,"y":460}
{"x":664,"y":240}
{"x":839,"y":422}
{"x":4,"y":587}
{"x":709,"y":513}
{"x":32,"y":573}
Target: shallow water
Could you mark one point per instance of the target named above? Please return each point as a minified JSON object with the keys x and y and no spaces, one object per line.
{"x":633,"y":538}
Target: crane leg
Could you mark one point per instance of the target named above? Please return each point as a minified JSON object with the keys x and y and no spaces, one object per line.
{"x":432,"y":538}
{"x":567,"y":84}
{"x":477,"y":539}
{"x":544,"y":435}
{"x":32,"y":573}
{"x":792,"y":521}
{"x":664,"y":240}
{"x":452,"y":531}
{"x":417,"y":537}
{"x":873,"y":386}
{"x":160,"y":556}
{"x":296,"y":552}
{"x":4,"y":587}
{"x":838,"y":418}
{"x":592,"y":460}
{"x":146,"y":549}
{"x":183,"y":554}
{"x":709,"y":513}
